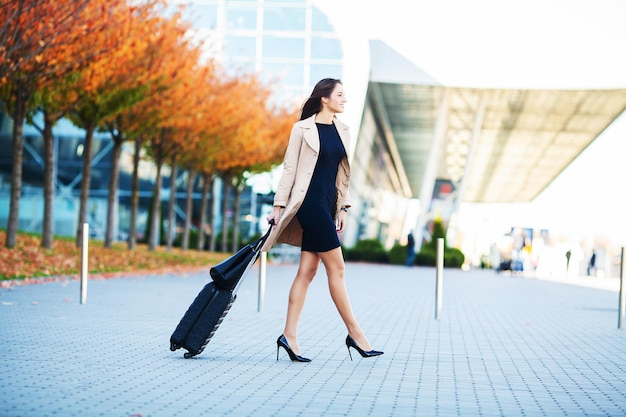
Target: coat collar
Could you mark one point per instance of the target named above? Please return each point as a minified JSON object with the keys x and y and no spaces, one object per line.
{"x":312,"y":137}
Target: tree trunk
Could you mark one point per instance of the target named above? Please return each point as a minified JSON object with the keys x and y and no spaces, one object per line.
{"x":85,"y":182}
{"x":153,"y":239}
{"x":213,"y":216}
{"x":236,"y":212}
{"x":112,"y":195}
{"x":134,"y":198}
{"x":227,"y":180}
{"x":171,"y":216}
{"x":206,"y":182}
{"x":188,"y":208}
{"x":49,"y":169}
{"x":19,"y":114}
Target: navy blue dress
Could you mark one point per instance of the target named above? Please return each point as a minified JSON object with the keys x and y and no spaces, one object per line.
{"x":317,"y":213}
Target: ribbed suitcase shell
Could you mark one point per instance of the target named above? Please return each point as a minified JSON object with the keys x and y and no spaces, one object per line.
{"x":201,"y":320}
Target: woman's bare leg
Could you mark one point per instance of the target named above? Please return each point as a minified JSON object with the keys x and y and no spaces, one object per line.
{"x":309,"y":263}
{"x":335,"y":269}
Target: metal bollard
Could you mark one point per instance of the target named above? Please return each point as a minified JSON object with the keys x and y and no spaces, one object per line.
{"x":622,"y":291}
{"x":84,"y":251}
{"x":262,"y":274}
{"x":438,"y":288}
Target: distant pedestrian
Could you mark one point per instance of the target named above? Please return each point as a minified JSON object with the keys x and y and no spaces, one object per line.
{"x":568,"y":255}
{"x":592,"y":263}
{"x":410,"y":249}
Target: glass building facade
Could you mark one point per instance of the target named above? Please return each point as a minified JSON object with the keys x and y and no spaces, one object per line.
{"x":290,"y":43}
{"x":69,"y":145}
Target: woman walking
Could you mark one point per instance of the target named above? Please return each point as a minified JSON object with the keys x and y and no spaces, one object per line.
{"x":310,"y":208}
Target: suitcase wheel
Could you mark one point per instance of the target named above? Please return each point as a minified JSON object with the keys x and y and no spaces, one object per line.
{"x":174,"y":346}
{"x":188,"y":355}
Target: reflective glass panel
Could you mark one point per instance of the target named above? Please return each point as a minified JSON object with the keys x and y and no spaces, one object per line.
{"x":240,"y":18}
{"x":202,"y":16}
{"x":320,"y":22}
{"x":325,"y":48}
{"x":235,"y":67}
{"x":284,"y":18}
{"x":283,"y":73}
{"x":240,"y":46}
{"x":282,"y":47}
{"x":320,"y":71}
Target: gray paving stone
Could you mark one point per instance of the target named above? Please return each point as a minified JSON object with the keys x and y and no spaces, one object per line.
{"x":503,"y":346}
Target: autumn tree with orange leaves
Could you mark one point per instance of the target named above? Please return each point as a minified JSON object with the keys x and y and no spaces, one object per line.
{"x":153,"y":69}
{"x":40,"y":42}
{"x":165,"y":118}
{"x":67,"y":94}
{"x":254,"y":140}
{"x":189,"y":124}
{"x":119,"y":80}
{"x":197,"y":147}
{"x":123,"y":67}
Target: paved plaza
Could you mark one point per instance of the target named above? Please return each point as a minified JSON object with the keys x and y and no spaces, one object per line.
{"x":502,"y":346}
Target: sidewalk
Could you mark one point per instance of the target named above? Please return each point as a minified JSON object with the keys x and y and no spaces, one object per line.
{"x":503,"y":346}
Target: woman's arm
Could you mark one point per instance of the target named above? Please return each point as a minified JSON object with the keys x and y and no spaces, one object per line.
{"x":287,"y":179}
{"x":290,"y":165}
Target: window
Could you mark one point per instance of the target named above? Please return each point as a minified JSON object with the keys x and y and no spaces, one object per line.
{"x":237,"y":67}
{"x":292,"y":74}
{"x":202,"y":16}
{"x":282,"y":47}
{"x":320,"y":22}
{"x":240,"y":46}
{"x":319,"y":71}
{"x":284,"y":18}
{"x":325,"y":48}
{"x":240,"y":18}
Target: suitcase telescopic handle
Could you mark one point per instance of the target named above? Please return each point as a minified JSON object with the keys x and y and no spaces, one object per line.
{"x":261,"y":241}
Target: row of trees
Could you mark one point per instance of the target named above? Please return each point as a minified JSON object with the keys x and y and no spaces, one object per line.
{"x":134,"y":69}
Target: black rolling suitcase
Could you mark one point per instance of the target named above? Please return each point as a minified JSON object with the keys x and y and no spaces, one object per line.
{"x":201,"y":320}
{"x":211,"y":305}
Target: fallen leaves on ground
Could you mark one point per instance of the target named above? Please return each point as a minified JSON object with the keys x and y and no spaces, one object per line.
{"x":29,"y":260}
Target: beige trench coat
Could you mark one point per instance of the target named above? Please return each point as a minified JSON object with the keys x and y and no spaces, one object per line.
{"x":298,"y":165}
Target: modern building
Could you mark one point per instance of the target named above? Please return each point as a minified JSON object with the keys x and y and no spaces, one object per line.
{"x":290,"y":43}
{"x":448,"y":145}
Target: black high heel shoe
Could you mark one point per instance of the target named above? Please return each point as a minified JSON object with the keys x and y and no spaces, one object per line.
{"x":282,"y":342}
{"x":351,"y":343}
